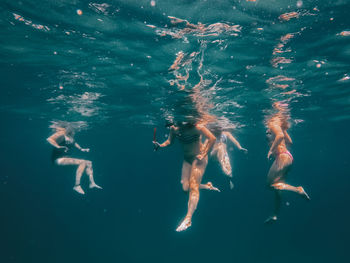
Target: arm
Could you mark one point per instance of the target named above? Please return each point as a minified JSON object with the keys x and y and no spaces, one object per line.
{"x":279,"y":136}
{"x":235,"y":142}
{"x":211,"y":140}
{"x":287,"y":137}
{"x":53,"y":139}
{"x":81,"y":149}
{"x":170,"y":139}
{"x":204,"y":145}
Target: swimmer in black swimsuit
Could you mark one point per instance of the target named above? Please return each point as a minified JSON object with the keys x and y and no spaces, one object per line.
{"x":62,"y":141}
{"x":194,"y":164}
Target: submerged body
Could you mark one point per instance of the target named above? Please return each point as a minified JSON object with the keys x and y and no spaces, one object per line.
{"x":276,"y":178}
{"x":220,"y":151}
{"x":63,"y":141}
{"x":194,"y":164}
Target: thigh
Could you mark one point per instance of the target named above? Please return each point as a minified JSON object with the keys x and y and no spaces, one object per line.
{"x":278,"y":171}
{"x":69,"y":161}
{"x":221,"y":151}
{"x":186,"y":172}
{"x":198,"y":169}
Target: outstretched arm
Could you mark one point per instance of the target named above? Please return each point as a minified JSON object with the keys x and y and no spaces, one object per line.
{"x":211,"y":140}
{"x":170,"y":139}
{"x":81,"y":149}
{"x":234,"y":140}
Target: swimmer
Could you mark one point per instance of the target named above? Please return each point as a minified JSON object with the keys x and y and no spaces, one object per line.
{"x":194,"y":164}
{"x":279,"y":139}
{"x":220,"y":150}
{"x":63,"y":141}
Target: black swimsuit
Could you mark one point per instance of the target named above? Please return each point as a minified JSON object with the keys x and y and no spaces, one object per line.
{"x":188,"y":139}
{"x":59,"y":152}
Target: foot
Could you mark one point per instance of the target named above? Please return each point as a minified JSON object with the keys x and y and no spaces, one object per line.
{"x":93,"y":185}
{"x":78,"y":189}
{"x":186,"y":223}
{"x":270,"y":220}
{"x":210,"y":186}
{"x":231,"y":185}
{"x":303,"y":193}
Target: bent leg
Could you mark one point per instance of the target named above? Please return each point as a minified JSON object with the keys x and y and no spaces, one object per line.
{"x":275,"y":176}
{"x":90,"y":174}
{"x":198,"y":168}
{"x":296,"y":189}
{"x":81,"y":167}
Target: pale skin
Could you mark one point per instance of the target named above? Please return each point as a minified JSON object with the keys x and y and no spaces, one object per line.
{"x":192,"y":173}
{"x":220,"y":149}
{"x":278,"y":126}
{"x":59,"y":137}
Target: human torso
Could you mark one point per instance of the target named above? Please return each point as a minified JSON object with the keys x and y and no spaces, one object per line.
{"x":281,"y":150}
{"x":190,"y":141}
{"x":60,"y":152}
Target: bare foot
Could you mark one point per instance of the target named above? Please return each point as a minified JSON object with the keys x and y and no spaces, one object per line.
{"x":78,"y":189}
{"x":231,"y":185}
{"x":93,"y":185}
{"x":210,"y":186}
{"x":186,"y":223}
{"x":270,"y":220}
{"x":303,"y":193}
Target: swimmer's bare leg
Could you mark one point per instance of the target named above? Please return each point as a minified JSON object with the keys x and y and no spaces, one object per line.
{"x":185,"y":175}
{"x":276,"y":172}
{"x":198,"y":168}
{"x":81,"y":167}
{"x":209,"y":186}
{"x":224,"y":160}
{"x":90,"y":174}
{"x":299,"y":190}
{"x":273,"y":218}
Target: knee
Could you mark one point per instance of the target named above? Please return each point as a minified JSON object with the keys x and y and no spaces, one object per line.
{"x":278,"y":186}
{"x":88,"y":164}
{"x":185,"y":185}
{"x":194,"y":187}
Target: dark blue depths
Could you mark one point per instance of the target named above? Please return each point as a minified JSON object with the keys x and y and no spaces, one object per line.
{"x":134,"y":218}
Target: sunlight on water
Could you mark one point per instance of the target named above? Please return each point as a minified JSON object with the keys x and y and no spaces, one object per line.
{"x":100,"y":57}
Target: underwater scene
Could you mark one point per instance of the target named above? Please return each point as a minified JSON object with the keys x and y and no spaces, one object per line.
{"x":174,"y":131}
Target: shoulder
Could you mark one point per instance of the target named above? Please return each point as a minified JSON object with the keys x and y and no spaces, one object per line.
{"x":173,"y":128}
{"x":200,"y":126}
{"x":58,"y":134}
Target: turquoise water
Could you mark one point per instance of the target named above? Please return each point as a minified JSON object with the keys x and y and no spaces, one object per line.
{"x":107,"y":68}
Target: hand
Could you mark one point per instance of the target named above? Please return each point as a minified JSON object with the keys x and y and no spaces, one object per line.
{"x":244,"y":150}
{"x":65,"y":148}
{"x":85,"y":150}
{"x":200,"y":157}
{"x":156,"y":145}
{"x":269,"y":155}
